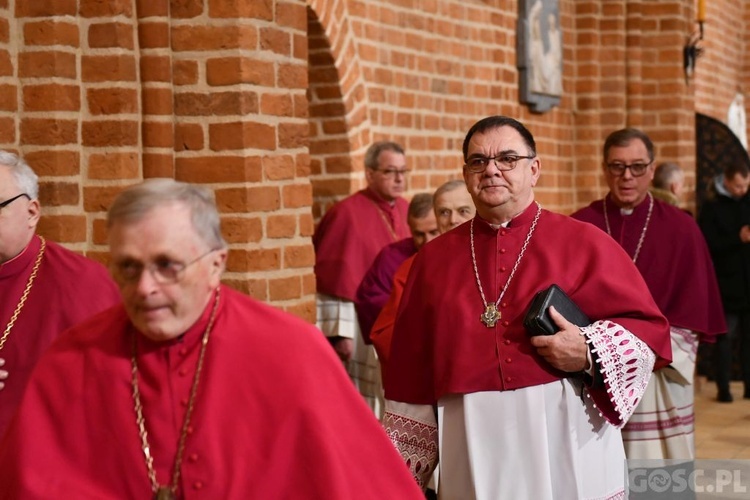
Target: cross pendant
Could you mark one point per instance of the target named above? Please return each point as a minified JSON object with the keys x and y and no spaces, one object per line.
{"x":490,"y":316}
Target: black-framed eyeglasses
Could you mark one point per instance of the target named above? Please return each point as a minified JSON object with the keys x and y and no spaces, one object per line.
{"x":637,"y":169}
{"x":393,"y":172}
{"x":503,"y":162}
{"x":164,"y":270}
{"x":11,"y":200}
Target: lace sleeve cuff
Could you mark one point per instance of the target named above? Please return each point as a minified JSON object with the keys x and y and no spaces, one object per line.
{"x":413,"y":430}
{"x":626,"y":363}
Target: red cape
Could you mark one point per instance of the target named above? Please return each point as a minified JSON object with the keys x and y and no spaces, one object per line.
{"x":674,"y":260}
{"x":440,"y":346}
{"x":382,"y":331}
{"x":276,"y":416}
{"x":349,"y":237}
{"x":377,"y":284}
{"x":68,"y":289}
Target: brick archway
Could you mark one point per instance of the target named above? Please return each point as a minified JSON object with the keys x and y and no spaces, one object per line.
{"x":339,"y":124}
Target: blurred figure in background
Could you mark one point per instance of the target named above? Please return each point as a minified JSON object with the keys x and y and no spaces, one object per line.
{"x":346,"y":241}
{"x":44,"y":288}
{"x":724,"y":219}
{"x":668,"y":183}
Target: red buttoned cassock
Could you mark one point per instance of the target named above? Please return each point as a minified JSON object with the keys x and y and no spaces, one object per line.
{"x":440,"y":346}
{"x":349,"y":237}
{"x":275,"y":415}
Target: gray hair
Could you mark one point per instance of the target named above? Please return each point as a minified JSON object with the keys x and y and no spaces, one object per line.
{"x":449,"y":186}
{"x":665,"y":174}
{"x":26,"y":180}
{"x":135,"y":202}
{"x":373,"y":152}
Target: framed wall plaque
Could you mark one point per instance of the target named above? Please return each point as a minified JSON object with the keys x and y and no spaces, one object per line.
{"x":539,"y":54}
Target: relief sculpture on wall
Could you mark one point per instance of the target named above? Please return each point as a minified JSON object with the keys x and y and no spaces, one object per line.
{"x":539,"y":54}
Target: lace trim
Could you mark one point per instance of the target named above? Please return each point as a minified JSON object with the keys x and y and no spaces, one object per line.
{"x":626,"y":363}
{"x":620,"y":495}
{"x":417,"y":442}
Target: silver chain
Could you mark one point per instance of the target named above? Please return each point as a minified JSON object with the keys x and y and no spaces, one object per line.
{"x":515,"y":266}
{"x":643,"y":231}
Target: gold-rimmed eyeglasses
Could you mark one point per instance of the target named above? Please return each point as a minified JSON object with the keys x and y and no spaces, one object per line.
{"x":164,"y":270}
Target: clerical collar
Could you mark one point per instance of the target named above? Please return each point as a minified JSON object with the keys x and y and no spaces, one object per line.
{"x":524,"y":216}
{"x":626,"y":211}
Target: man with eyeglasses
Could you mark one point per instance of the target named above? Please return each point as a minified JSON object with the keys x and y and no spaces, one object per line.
{"x":669,"y":251}
{"x":190,"y":389}
{"x":348,"y":238}
{"x":44,"y":288}
{"x":511,"y":415}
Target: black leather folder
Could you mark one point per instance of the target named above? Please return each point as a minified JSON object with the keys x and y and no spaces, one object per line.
{"x":538,"y":321}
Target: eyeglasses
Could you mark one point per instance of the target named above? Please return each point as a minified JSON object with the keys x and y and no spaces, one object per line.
{"x":164,"y":271}
{"x":392,"y":172}
{"x":8,"y":202}
{"x":503,"y":162}
{"x":637,"y":169}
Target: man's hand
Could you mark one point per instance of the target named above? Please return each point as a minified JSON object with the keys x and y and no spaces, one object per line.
{"x":565,"y":350}
{"x":344,"y":347}
{"x":3,"y":374}
{"x":745,"y":234}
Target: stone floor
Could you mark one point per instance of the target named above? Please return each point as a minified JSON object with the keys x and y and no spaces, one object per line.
{"x":722,"y":430}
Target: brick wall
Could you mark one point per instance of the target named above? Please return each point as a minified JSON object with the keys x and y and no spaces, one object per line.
{"x":101,"y":94}
{"x":724,"y":68}
{"x":631,"y":75}
{"x":272,"y":103}
{"x":429,"y":70}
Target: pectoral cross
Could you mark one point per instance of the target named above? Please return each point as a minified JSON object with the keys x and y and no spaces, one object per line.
{"x":490,"y":316}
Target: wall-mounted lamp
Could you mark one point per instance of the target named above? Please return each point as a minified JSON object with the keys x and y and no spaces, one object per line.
{"x":691,"y":51}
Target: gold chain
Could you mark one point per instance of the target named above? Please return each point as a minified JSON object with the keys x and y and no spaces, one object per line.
{"x":141,"y":421}
{"x":387,"y":223}
{"x":25,"y":294}
{"x":645,"y":225}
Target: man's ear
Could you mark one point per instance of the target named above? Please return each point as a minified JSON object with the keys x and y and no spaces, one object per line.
{"x":218,"y":265}
{"x":34,"y":211}
{"x":368,"y":175}
{"x":536,"y":170}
